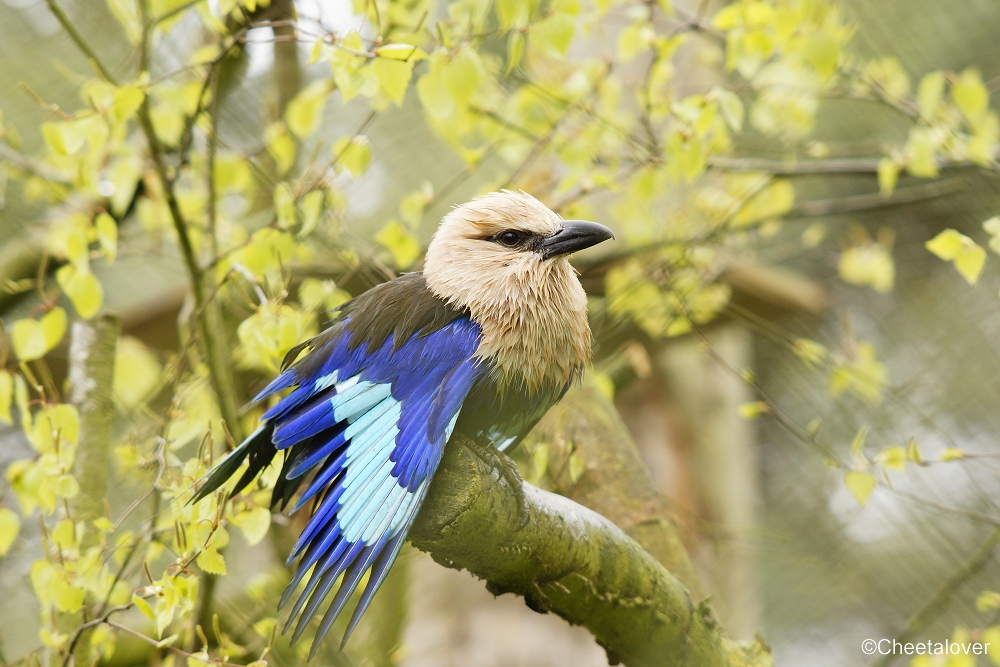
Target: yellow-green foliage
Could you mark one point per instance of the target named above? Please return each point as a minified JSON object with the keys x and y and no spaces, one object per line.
{"x":579,"y":110}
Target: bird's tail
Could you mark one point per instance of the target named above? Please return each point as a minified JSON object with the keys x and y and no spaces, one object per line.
{"x":257,"y":448}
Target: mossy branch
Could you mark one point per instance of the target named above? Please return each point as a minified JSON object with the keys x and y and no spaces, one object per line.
{"x":615,"y":481}
{"x":570,"y":561}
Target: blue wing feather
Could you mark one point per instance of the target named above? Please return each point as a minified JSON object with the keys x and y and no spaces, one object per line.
{"x":370,"y":426}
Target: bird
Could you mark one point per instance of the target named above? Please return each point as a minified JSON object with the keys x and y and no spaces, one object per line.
{"x":482,"y":342}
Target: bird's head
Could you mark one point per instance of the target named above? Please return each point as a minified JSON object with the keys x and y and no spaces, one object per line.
{"x":502,"y":235}
{"x":504,"y":257}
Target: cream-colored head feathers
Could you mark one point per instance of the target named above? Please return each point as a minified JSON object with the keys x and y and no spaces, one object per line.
{"x":532,"y":311}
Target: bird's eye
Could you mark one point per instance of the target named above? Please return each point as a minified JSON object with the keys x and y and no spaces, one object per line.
{"x":509,"y":238}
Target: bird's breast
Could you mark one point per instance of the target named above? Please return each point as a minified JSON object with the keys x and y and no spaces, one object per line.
{"x":534,"y":333}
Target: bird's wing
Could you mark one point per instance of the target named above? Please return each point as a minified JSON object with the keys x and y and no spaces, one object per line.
{"x":370,"y":425}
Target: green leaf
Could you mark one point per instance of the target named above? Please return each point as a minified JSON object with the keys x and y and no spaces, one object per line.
{"x":930,"y":93}
{"x":463,"y":75}
{"x":577,"y":466}
{"x":53,"y":327}
{"x":393,"y":77}
{"x":127,"y":14}
{"x":280,"y":146}
{"x":311,"y":206}
{"x":138,"y":373}
{"x":539,"y":461}
{"x":54,"y":138}
{"x":553,"y":35}
{"x":10,"y":526}
{"x":633,"y":40}
{"x":731,"y":107}
{"x":515,"y":51}
{"x":893,"y":458}
{"x":958,"y":248}
{"x":858,"y":444}
{"x":753,"y":410}
{"x":400,"y":241}
{"x":970,"y":95}
{"x":254,"y":524}
{"x":406,"y":52}
{"x":68,"y":598}
{"x":434,"y":94}
{"x":864,"y":375}
{"x":353,"y":154}
{"x":888,"y":175}
{"x":513,"y":13}
{"x":888,"y":74}
{"x":987,"y":601}
{"x":211,"y":561}
{"x":809,"y":351}
{"x":922,"y":152}
{"x":284,"y":205}
{"x":127,"y":101}
{"x":305,"y":112}
{"x":6,"y":396}
{"x":107,"y":235}
{"x":21,"y":401}
{"x":83,"y":289}
{"x":868,"y":264}
{"x":948,"y":244}
{"x":970,"y":264}
{"x":951,"y":454}
{"x":28,"y":339}
{"x":822,"y":52}
{"x":66,"y":486}
{"x":773,"y":201}
{"x":861,"y":484}
{"x":992,"y":227}
{"x":32,"y":339}
{"x":317,"y":294}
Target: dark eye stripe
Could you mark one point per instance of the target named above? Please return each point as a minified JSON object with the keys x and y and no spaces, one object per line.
{"x":516,"y":239}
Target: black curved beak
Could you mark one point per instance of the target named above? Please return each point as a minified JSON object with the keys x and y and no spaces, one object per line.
{"x":573,"y":236}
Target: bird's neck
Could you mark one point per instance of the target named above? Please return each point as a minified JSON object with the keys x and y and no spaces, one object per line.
{"x":533,"y":323}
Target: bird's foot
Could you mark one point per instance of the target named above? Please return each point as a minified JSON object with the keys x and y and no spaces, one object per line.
{"x":508,"y":470}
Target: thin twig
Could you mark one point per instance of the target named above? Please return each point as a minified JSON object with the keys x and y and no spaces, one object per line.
{"x":869,"y":201}
{"x":30,"y":165}
{"x":80,"y":42}
{"x":172,"y":649}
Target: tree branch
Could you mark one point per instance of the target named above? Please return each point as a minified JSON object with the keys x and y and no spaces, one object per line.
{"x":91,"y":374}
{"x":573,"y":562}
{"x":851,"y":165}
{"x":80,"y":42}
{"x":615,"y":481}
{"x":31,"y":165}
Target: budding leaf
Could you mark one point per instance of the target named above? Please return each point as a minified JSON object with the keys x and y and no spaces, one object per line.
{"x":953,"y":246}
{"x":32,"y":339}
{"x":82,"y":287}
{"x":10,"y":526}
{"x":861,"y":484}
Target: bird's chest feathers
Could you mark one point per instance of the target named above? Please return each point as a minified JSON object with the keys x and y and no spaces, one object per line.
{"x":534,"y":328}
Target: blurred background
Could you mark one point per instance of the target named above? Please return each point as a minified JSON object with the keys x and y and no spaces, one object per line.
{"x":746,"y":440}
